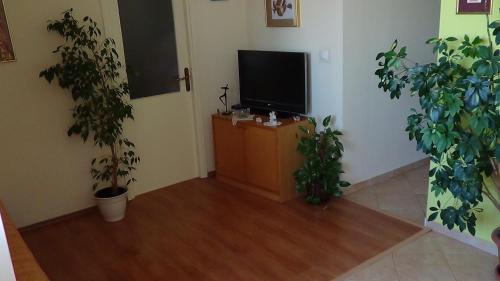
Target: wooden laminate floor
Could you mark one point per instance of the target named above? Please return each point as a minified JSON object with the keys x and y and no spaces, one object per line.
{"x":204,"y":230}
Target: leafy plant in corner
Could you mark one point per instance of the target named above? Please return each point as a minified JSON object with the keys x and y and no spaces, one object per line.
{"x":89,"y":69}
{"x":319,"y":177}
{"x":459,"y":124}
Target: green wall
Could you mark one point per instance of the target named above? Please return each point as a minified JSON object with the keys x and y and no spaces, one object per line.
{"x":457,"y":26}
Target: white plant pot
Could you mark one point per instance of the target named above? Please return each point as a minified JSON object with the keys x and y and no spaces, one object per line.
{"x":113,"y":209}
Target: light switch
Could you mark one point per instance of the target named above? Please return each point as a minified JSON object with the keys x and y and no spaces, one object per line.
{"x":324,"y":56}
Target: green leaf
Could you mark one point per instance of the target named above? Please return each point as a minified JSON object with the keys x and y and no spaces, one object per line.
{"x":432,"y":217}
{"x":344,"y":184}
{"x":448,"y":216}
{"x":484,"y":51}
{"x":312,"y":120}
{"x":327,"y":121}
{"x":394,"y":45}
{"x":471,"y":229}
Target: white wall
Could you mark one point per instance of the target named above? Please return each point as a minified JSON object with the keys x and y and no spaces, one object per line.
{"x":223,"y":27}
{"x":321,"y":28}
{"x":45,"y":174}
{"x":218,"y":31}
{"x":373,"y":124}
{"x":355,"y":31}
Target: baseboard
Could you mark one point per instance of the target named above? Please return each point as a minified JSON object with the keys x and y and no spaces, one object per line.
{"x":131,"y":197}
{"x":56,"y":219}
{"x":485,"y":246}
{"x":384,"y":177}
{"x":388,"y":214}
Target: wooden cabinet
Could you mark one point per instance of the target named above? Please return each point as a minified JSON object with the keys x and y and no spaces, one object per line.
{"x":257,"y":158}
{"x":261,"y":158}
{"x":231,"y":158}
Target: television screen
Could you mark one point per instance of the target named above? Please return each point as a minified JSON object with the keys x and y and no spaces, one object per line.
{"x":274,"y":81}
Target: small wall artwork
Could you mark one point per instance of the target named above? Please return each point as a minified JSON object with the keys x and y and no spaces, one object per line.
{"x":6,"y":50}
{"x":474,"y":6}
{"x":283,"y":13}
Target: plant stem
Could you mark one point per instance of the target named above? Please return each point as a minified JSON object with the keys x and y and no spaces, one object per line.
{"x":490,"y":41}
{"x":114,"y":160}
{"x":493,"y":162}
{"x":402,"y":72}
{"x":490,"y":196}
{"x":105,"y":89}
{"x":411,"y":61}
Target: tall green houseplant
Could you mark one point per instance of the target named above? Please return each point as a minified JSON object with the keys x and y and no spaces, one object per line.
{"x":90,"y":70}
{"x":319,"y":177}
{"x":459,"y":121}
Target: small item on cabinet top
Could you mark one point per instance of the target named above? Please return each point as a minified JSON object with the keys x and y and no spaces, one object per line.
{"x":273,"y":121}
{"x":296,"y":118}
{"x":242,"y":115}
{"x":223,"y":100}
{"x":258,"y":120}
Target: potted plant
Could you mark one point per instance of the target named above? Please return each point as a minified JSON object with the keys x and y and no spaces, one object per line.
{"x":89,"y":69}
{"x":459,"y":121}
{"x":319,"y":177}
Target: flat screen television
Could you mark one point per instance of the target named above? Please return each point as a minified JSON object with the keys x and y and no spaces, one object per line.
{"x":274,"y":81}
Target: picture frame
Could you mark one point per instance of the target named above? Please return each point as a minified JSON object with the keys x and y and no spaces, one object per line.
{"x":282,"y":13}
{"x":474,"y":6}
{"x":6,"y":48}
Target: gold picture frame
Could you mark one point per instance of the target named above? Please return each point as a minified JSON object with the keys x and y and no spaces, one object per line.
{"x":282,"y":13}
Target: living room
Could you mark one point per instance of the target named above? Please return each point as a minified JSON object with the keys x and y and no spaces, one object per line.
{"x":218,"y":201}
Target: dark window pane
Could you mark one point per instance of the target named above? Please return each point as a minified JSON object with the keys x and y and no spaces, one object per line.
{"x":150,"y":48}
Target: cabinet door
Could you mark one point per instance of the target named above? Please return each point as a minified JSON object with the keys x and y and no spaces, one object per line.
{"x":261,"y":158}
{"x":229,"y":150}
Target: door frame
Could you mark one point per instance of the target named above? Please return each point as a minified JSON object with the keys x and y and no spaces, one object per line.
{"x":197,"y":104}
{"x":111,"y":28}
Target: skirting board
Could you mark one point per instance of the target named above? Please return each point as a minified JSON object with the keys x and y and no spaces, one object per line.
{"x":480,"y":244}
{"x":384,"y":177}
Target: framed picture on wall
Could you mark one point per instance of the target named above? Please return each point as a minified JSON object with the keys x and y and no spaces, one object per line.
{"x":474,"y":6}
{"x":6,"y":50}
{"x":283,"y":13}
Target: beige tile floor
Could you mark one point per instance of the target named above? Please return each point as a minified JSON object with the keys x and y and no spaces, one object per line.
{"x":403,"y":196}
{"x":431,"y":256}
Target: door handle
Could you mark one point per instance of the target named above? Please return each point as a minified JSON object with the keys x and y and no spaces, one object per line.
{"x":186,"y":78}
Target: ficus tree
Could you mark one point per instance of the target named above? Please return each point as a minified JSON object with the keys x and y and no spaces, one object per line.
{"x":90,"y":70}
{"x":459,"y":121}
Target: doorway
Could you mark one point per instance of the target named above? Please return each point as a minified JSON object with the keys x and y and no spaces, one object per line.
{"x":164,"y":129}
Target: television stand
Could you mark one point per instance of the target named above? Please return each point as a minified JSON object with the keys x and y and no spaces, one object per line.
{"x":257,"y":158}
